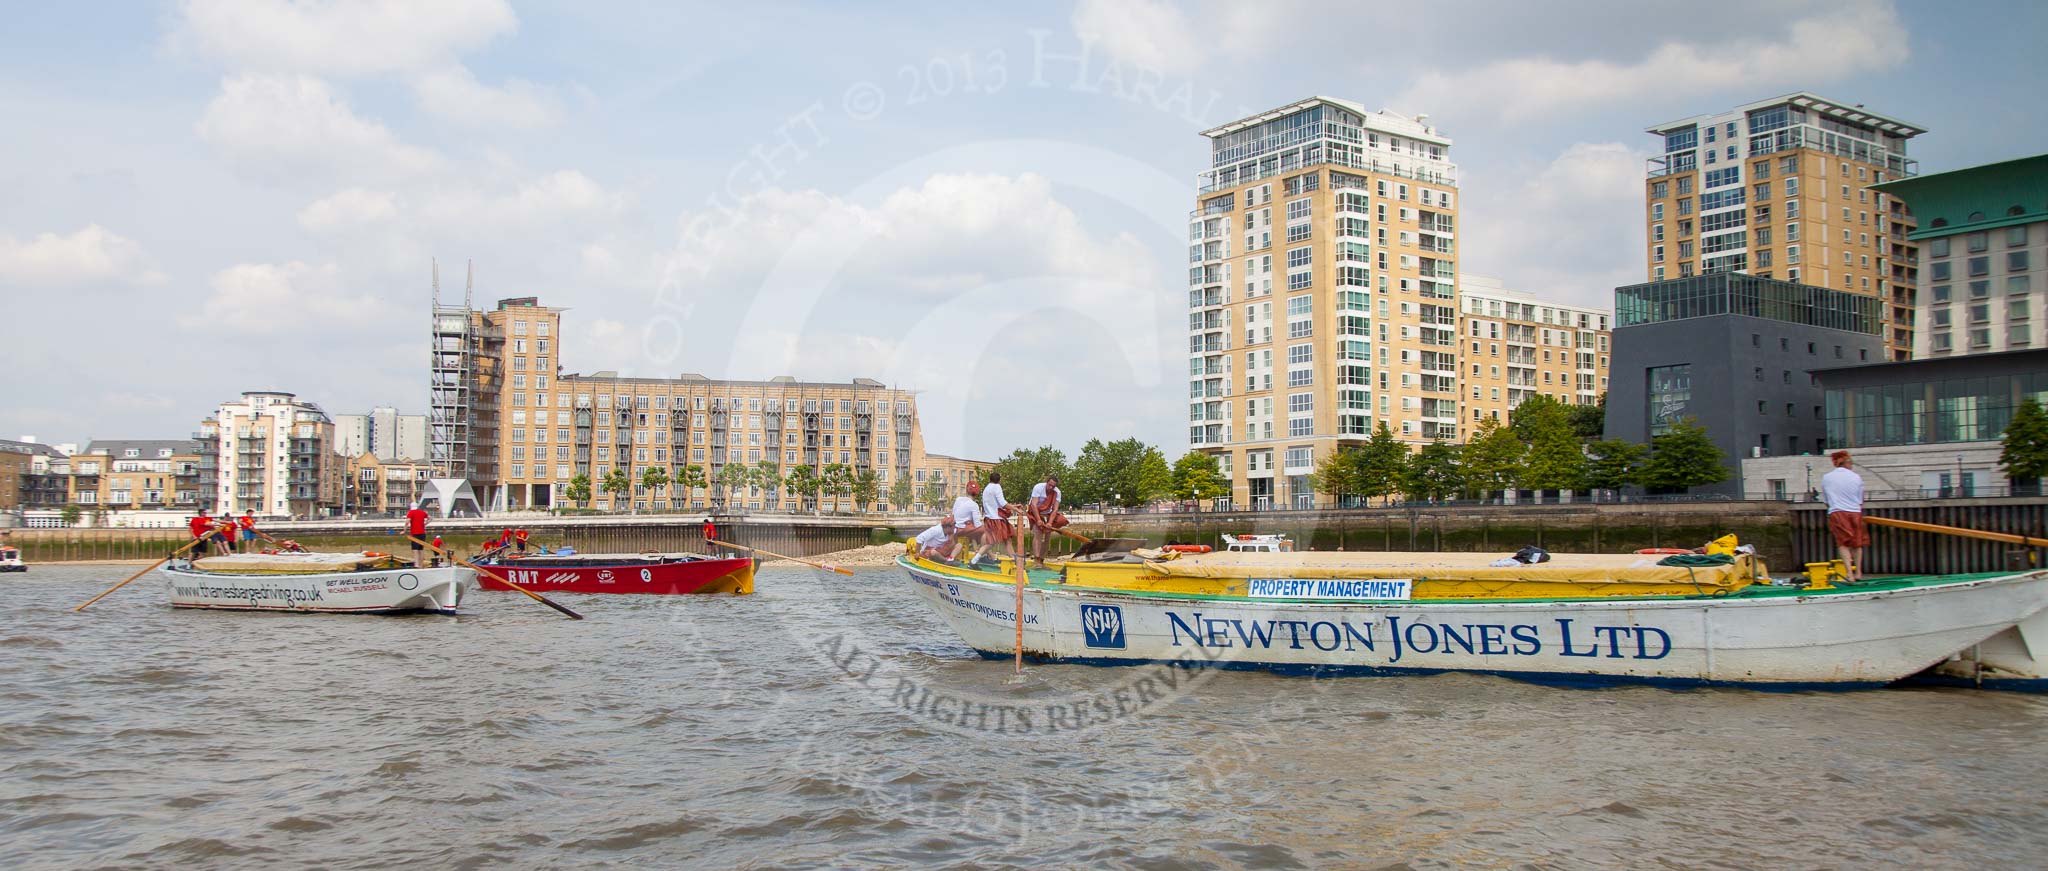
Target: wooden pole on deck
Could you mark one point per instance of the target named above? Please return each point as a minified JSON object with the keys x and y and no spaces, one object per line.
{"x":1022,"y":579}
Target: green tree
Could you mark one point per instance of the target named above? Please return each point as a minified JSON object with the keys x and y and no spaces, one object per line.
{"x":935,"y":495}
{"x":1336,"y":473}
{"x":1433,"y":472}
{"x":1683,"y":458}
{"x":802,"y":481}
{"x":1492,"y":459}
{"x":1023,"y":468}
{"x":865,"y":484}
{"x":767,"y":476}
{"x":1197,"y":475}
{"x":902,"y":494}
{"x":2023,"y":450}
{"x":1616,"y":463}
{"x":70,"y":514}
{"x":1124,"y":472}
{"x":836,"y":481}
{"x":1589,"y":422}
{"x":691,"y":478}
{"x":654,"y":478}
{"x":732,"y":481}
{"x":1535,"y":413}
{"x":1555,"y":459}
{"x":1382,"y":464}
{"x":578,"y":490}
{"x":617,"y":482}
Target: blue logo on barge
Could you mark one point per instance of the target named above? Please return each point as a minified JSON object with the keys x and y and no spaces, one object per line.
{"x":1102,"y":626}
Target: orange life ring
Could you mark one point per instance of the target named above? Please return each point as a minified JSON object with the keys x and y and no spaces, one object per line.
{"x":1187,"y":548}
{"x":374,"y":553}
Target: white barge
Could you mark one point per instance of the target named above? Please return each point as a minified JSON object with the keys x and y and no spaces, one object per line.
{"x":316,"y":583}
{"x":1574,"y":620}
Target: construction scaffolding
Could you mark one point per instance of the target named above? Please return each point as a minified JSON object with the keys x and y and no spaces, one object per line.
{"x":452,"y":383}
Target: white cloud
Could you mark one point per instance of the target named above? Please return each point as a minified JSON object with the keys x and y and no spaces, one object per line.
{"x":289,"y":127}
{"x":1571,"y":231}
{"x":349,"y":209}
{"x":286,"y":299}
{"x":339,"y":38}
{"x":1855,"y":38}
{"x":1148,"y":34}
{"x":551,"y":209}
{"x":952,"y":234}
{"x":453,"y":92}
{"x":91,"y":255}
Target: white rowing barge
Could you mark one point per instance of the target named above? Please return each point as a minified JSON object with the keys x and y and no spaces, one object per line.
{"x":1733,"y":630}
{"x":316,"y":583}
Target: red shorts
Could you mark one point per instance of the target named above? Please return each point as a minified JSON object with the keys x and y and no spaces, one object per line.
{"x":1055,"y":520}
{"x":1847,"y":529}
{"x":997,"y":529}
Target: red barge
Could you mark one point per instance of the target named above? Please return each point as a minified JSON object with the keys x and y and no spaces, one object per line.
{"x":660,"y":573}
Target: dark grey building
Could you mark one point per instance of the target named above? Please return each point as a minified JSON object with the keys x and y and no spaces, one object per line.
{"x":1736,"y":353}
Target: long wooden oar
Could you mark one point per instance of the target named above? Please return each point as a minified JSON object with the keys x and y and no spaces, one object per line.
{"x":1075,"y":536}
{"x":826,"y":566}
{"x":152,"y":567}
{"x":487,"y":573}
{"x":2008,"y":538}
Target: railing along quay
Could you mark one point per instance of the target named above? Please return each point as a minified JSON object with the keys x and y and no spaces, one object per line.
{"x":1904,"y":551}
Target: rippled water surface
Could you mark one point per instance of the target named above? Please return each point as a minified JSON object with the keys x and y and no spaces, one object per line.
{"x":832,"y":721}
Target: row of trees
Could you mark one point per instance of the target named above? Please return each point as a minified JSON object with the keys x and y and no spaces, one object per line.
{"x":1125,"y":473}
{"x":1544,"y":448}
{"x":808,"y":484}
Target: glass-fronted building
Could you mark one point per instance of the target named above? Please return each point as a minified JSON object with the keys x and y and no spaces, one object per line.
{"x":1929,"y":402}
{"x":1736,"y":354}
{"x":1702,"y":296}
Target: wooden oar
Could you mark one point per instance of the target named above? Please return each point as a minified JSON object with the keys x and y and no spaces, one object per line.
{"x":2006,"y":537}
{"x":1075,"y":536}
{"x":152,"y":567}
{"x":826,"y":566}
{"x":487,"y":573}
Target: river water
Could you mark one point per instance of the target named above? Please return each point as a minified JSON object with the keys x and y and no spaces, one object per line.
{"x":834,"y":722}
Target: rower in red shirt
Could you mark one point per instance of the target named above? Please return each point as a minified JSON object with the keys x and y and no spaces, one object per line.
{"x":520,"y":537}
{"x":248,"y":524}
{"x":201,"y":526}
{"x":416,"y":528}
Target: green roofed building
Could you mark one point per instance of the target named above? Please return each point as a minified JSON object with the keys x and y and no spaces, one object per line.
{"x":1984,"y":235}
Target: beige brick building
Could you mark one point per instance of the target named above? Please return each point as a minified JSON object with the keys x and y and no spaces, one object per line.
{"x":508,"y":416}
{"x":1781,"y":188}
{"x":138,"y":475}
{"x":1322,"y":291}
{"x":374,"y":486}
{"x":1515,"y":346}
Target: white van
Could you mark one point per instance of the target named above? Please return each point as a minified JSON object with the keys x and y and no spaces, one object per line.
{"x":1258,"y":543}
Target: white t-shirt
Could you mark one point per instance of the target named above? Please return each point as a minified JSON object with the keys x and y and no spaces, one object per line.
{"x":932,"y":537}
{"x":1038,"y":496}
{"x":992,"y":500}
{"x":965,"y":512}
{"x":1843,"y":490}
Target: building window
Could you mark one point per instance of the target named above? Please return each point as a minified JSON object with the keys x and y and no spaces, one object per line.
{"x":1670,"y":396}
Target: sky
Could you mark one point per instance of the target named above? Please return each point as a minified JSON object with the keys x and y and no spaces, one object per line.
{"x":984,"y":203}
